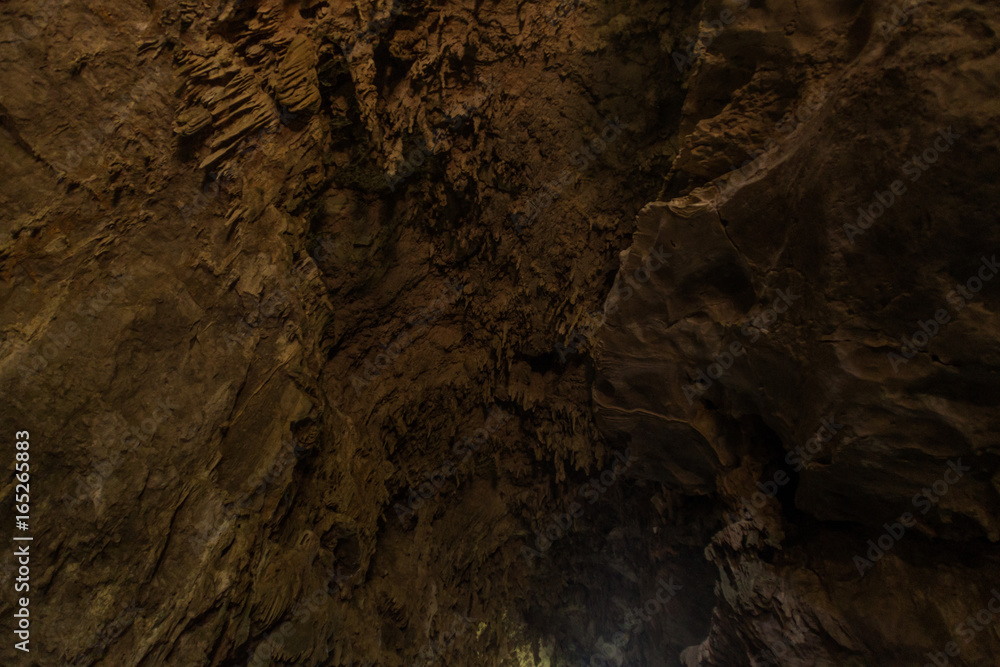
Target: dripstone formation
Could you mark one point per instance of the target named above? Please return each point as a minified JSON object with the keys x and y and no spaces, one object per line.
{"x":459,"y":333}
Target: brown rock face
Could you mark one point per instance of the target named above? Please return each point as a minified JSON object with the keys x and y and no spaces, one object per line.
{"x":818,"y":353}
{"x":501,"y":334}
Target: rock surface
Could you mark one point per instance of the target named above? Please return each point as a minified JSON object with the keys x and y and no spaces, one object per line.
{"x":383,"y":334}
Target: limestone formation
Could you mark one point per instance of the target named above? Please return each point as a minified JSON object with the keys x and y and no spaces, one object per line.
{"x":629,"y":333}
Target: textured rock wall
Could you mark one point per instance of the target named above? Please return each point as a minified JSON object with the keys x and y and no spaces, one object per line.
{"x":369,"y":334}
{"x":818,"y":355}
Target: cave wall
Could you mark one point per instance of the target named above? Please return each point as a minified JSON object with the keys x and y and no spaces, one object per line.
{"x":818,"y":353}
{"x":364,"y":334}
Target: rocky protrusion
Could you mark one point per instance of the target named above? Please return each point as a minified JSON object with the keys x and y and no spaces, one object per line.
{"x":189,"y":121}
{"x":297,"y":85}
{"x":222,"y":93}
